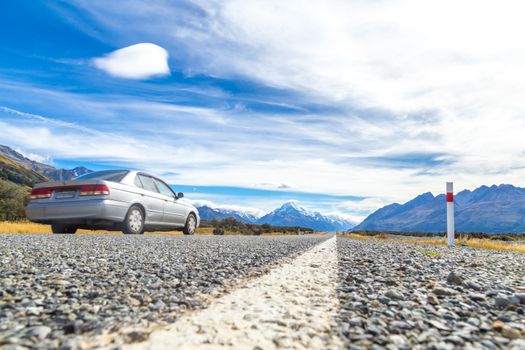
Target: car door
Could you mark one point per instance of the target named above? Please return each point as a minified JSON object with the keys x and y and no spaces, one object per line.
{"x":153,"y":201}
{"x":174,"y":212}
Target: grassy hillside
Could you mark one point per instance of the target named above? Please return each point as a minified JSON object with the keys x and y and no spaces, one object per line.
{"x":18,"y":174}
{"x":15,"y":184}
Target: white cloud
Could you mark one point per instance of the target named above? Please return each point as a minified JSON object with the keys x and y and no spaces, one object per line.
{"x":139,"y":61}
{"x":271,"y":185}
{"x":34,"y":156}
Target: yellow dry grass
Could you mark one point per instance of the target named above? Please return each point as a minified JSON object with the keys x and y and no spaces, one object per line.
{"x":496,"y":245}
{"x":356,"y":236}
{"x":30,"y":227}
{"x":23,"y":227}
{"x":471,"y":242}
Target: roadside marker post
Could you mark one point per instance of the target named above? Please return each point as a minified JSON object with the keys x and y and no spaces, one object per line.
{"x":450,"y":214}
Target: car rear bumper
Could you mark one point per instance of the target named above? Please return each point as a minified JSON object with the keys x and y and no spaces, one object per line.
{"x":95,"y":209}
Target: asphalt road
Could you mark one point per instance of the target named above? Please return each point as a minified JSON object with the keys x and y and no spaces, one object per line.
{"x":294,"y":292}
{"x":56,"y":288}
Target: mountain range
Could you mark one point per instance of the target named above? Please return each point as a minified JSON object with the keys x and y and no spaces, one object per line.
{"x":18,"y":174}
{"x":208,"y":213}
{"x":494,"y":209}
{"x":289,"y":214}
{"x":48,"y":171}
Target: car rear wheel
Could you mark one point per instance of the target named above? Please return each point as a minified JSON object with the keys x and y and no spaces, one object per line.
{"x":61,"y":228}
{"x":134,"y":222}
{"x":191,"y":225}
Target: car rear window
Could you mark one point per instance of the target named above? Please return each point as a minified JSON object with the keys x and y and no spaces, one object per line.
{"x":108,"y":175}
{"x":137,"y":182}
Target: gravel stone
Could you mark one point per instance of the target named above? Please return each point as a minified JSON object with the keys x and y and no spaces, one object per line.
{"x":442,"y":291}
{"x":40,"y":332}
{"x":511,"y":333}
{"x":392,"y":294}
{"x":503,"y":302}
{"x":454,"y":278}
{"x":521,"y":297}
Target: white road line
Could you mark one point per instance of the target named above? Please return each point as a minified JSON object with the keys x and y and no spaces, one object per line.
{"x":291,"y":307}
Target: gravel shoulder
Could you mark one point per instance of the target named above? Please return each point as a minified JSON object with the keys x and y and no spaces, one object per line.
{"x":407,"y":296}
{"x":58,"y":290}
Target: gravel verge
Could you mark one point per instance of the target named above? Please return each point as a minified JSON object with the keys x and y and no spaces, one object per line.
{"x":58,"y":290}
{"x":407,"y":296}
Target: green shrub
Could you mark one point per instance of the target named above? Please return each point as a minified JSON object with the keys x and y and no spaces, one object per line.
{"x":218,"y":231}
{"x":231,"y":225}
{"x":13,"y":199}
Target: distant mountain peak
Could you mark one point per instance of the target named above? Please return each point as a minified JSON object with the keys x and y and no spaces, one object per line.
{"x":289,"y":213}
{"x":292,"y":205}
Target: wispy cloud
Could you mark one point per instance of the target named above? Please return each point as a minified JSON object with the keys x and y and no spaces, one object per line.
{"x":395,"y":56}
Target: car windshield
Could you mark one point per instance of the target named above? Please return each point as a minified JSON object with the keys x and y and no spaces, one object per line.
{"x":108,"y":175}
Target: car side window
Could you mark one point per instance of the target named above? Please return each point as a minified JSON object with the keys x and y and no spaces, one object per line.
{"x":148,"y":183}
{"x":164,"y":189}
{"x":138,"y":183}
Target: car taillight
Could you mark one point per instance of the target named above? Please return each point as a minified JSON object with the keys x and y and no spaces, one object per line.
{"x":38,"y":193}
{"x":94,"y":190}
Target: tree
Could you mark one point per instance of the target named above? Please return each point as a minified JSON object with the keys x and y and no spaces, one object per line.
{"x":218,"y":231}
{"x":13,"y":199}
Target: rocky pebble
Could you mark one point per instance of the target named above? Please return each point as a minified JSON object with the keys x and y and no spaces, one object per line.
{"x":61,"y":291}
{"x":398,"y":296}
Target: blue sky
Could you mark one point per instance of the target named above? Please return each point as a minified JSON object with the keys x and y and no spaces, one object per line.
{"x":342,"y":105}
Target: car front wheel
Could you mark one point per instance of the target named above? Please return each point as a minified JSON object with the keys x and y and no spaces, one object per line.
{"x":61,"y":228}
{"x":134,"y":222}
{"x":191,"y":225}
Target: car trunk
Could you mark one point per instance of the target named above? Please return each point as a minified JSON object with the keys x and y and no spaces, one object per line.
{"x":72,"y":190}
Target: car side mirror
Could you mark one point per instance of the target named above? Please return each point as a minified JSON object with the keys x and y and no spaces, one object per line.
{"x":180,"y":195}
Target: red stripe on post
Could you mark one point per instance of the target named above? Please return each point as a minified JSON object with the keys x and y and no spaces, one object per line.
{"x":450,"y":197}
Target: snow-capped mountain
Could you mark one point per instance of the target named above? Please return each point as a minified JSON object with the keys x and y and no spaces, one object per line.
{"x":66,"y":174}
{"x":289,"y":214}
{"x":292,"y":214}
{"x":210,"y":213}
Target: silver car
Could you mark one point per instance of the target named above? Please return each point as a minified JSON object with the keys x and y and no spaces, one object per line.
{"x":124,"y":200}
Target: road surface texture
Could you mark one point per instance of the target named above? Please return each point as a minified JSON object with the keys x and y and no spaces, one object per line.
{"x":56,"y":289}
{"x":294,"y":306}
{"x":302,"y":292}
{"x":408,"y":296}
